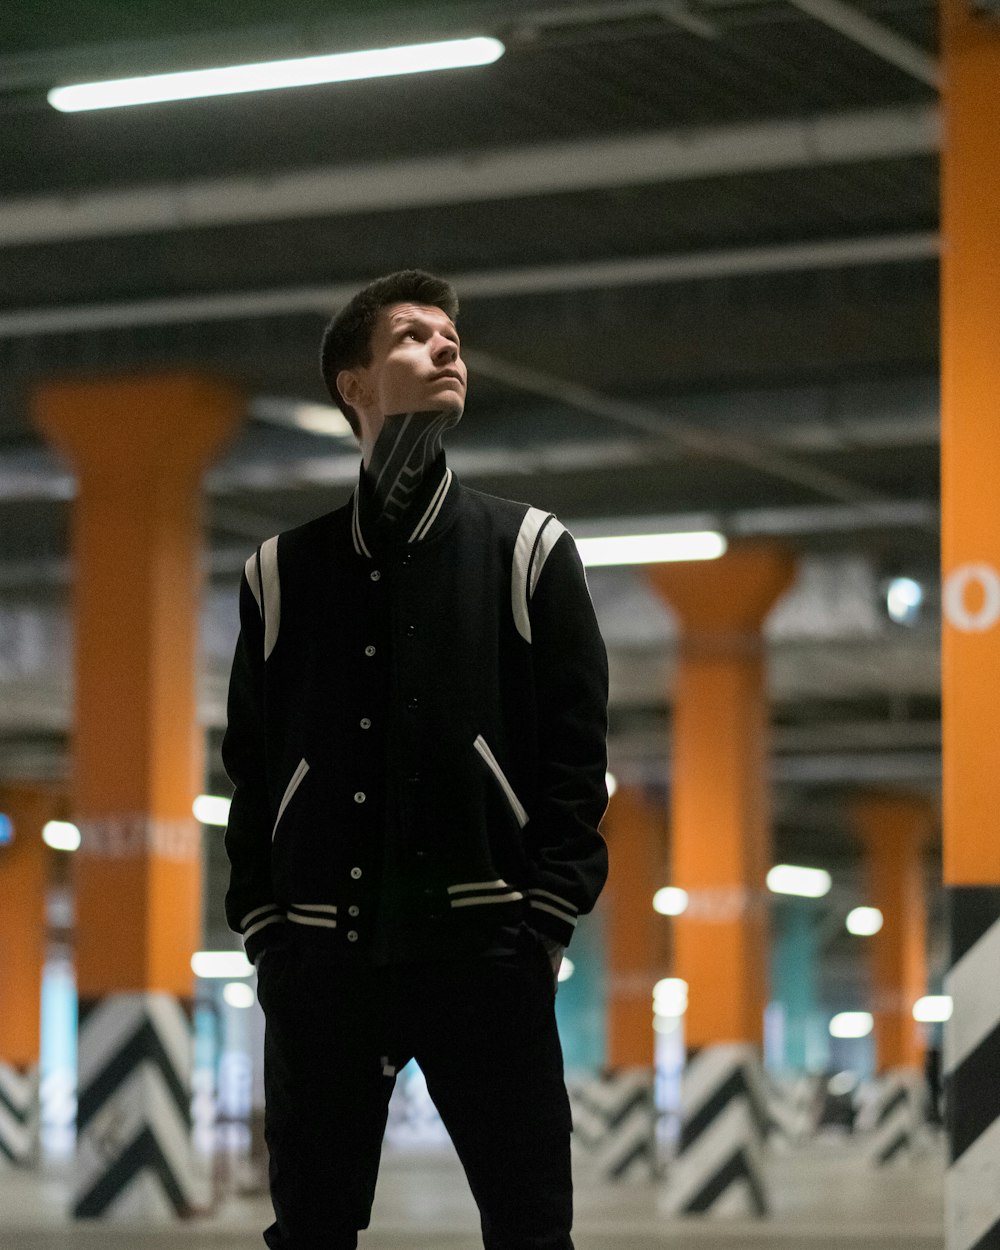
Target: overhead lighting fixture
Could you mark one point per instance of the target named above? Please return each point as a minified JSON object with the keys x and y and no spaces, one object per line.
{"x":212,"y":965}
{"x":211,"y":809}
{"x":933,"y":1009}
{"x":61,"y":835}
{"x":903,"y":600}
{"x":802,"y":882}
{"x":300,"y":414}
{"x":307,"y":71}
{"x":864,"y":921}
{"x":670,"y":901}
{"x":566,"y":969}
{"x":852,"y":1024}
{"x":651,"y":548}
{"x":611,"y":781}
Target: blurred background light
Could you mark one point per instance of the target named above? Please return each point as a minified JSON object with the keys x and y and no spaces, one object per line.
{"x":566,"y":969}
{"x":611,"y":781}
{"x":852,"y":1024}
{"x":804,"y":882}
{"x":904,"y":598}
{"x":223,"y":964}
{"x":933,"y":1008}
{"x":61,"y":835}
{"x":6,"y":829}
{"x":210,"y":809}
{"x":864,"y":921}
{"x":670,"y":997}
{"x":651,"y":548}
{"x":238,"y":994}
{"x":306,"y":71}
{"x":671,"y":900}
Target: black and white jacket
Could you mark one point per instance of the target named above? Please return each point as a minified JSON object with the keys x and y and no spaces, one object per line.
{"x":417,"y":730}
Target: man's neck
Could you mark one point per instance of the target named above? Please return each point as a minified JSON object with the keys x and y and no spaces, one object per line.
{"x":407,"y":446}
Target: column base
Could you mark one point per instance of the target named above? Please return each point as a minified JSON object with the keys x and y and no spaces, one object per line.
{"x":972,"y":1070}
{"x":900,"y":1115}
{"x":719,"y":1168}
{"x":614,"y":1123}
{"x":18,"y":1115}
{"x":134,"y":1157}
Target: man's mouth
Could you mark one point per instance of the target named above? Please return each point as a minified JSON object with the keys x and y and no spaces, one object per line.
{"x":447,"y":373}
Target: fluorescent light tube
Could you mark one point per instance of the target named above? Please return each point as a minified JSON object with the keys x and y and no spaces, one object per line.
{"x":224,"y":964}
{"x":211,"y":809}
{"x":851,"y":1024}
{"x":864,"y":921}
{"x":651,"y":548}
{"x":933,"y":1009}
{"x":308,"y":71}
{"x":61,"y":835}
{"x":803,"y":882}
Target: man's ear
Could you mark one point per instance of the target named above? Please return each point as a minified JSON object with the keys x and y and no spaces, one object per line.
{"x":353,"y":389}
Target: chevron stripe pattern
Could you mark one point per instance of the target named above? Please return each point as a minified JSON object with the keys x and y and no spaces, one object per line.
{"x":134,"y":1152}
{"x":898,"y":1115}
{"x":972,"y":1070}
{"x":18,"y":1114}
{"x":792,"y":1106}
{"x":719,"y":1167}
{"x":614,"y":1122}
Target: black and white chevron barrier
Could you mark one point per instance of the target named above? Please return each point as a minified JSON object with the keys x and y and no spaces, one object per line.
{"x":719,"y":1166}
{"x":898,"y":1115}
{"x":614,"y":1123}
{"x":18,"y":1115}
{"x":972,"y":1071}
{"x":792,"y":1106}
{"x":134,"y":1154}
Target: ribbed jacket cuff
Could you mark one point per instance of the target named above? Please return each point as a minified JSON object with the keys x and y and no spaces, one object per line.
{"x":552,"y":915}
{"x":259,"y":927}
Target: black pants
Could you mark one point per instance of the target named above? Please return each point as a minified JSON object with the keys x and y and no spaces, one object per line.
{"x":484,"y":1033}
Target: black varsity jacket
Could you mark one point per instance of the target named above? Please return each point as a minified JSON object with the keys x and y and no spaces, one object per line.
{"x":416,"y":730}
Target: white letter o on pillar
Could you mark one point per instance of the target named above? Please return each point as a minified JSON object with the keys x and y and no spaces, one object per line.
{"x":954,"y":598}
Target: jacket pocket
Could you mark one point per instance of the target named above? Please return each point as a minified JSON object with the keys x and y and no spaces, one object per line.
{"x":516,"y":806}
{"x":296,"y":780}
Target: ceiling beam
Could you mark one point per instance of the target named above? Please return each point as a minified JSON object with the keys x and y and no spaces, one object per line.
{"x":876,"y":38}
{"x":475,"y":175}
{"x":488,"y":284}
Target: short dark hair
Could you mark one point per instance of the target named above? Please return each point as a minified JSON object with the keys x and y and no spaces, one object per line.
{"x":347,"y":340}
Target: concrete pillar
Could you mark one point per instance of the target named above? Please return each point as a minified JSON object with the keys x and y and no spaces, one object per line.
{"x":895,"y":830}
{"x":138,"y":446}
{"x":635,"y":840}
{"x":970,"y":447}
{"x":24,"y":879}
{"x":720,"y":848}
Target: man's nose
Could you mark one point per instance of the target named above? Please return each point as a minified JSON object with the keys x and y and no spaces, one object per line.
{"x":445,"y":351}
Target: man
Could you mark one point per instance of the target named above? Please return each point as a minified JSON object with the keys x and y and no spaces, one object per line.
{"x":417,"y":726}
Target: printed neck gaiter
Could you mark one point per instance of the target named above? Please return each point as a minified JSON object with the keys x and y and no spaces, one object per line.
{"x":406,"y":448}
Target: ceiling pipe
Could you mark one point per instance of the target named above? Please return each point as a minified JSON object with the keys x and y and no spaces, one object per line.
{"x":876,"y":38}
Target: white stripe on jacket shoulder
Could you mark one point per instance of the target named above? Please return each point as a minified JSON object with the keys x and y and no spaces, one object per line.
{"x":265,"y":584}
{"x":539,"y":533}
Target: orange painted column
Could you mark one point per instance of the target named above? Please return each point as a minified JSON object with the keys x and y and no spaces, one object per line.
{"x":896,"y":831}
{"x":720,"y":819}
{"x":24,"y":879}
{"x":970,"y":560}
{"x":633,"y":930}
{"x":720,"y":853}
{"x":139,"y":446}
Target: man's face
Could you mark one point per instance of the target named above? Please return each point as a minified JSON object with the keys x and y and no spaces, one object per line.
{"x":416,"y":365}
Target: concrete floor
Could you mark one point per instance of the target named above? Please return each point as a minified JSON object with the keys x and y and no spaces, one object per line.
{"x":825,"y":1198}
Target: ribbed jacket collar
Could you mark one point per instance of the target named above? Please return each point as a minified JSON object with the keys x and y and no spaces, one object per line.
{"x":432,"y":507}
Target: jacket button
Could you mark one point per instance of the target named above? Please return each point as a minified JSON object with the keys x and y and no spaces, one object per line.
{"x":413,"y":704}
{"x":406,"y":559}
{"x":411,"y":630}
{"x":375,"y":575}
{"x":421,"y":854}
{"x":369,"y":650}
{"x":365,"y":722}
{"x":355,"y":873}
{"x":353,"y":910}
{"x":352,"y":935}
{"x":414,"y":779}
{"x":359,"y":797}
